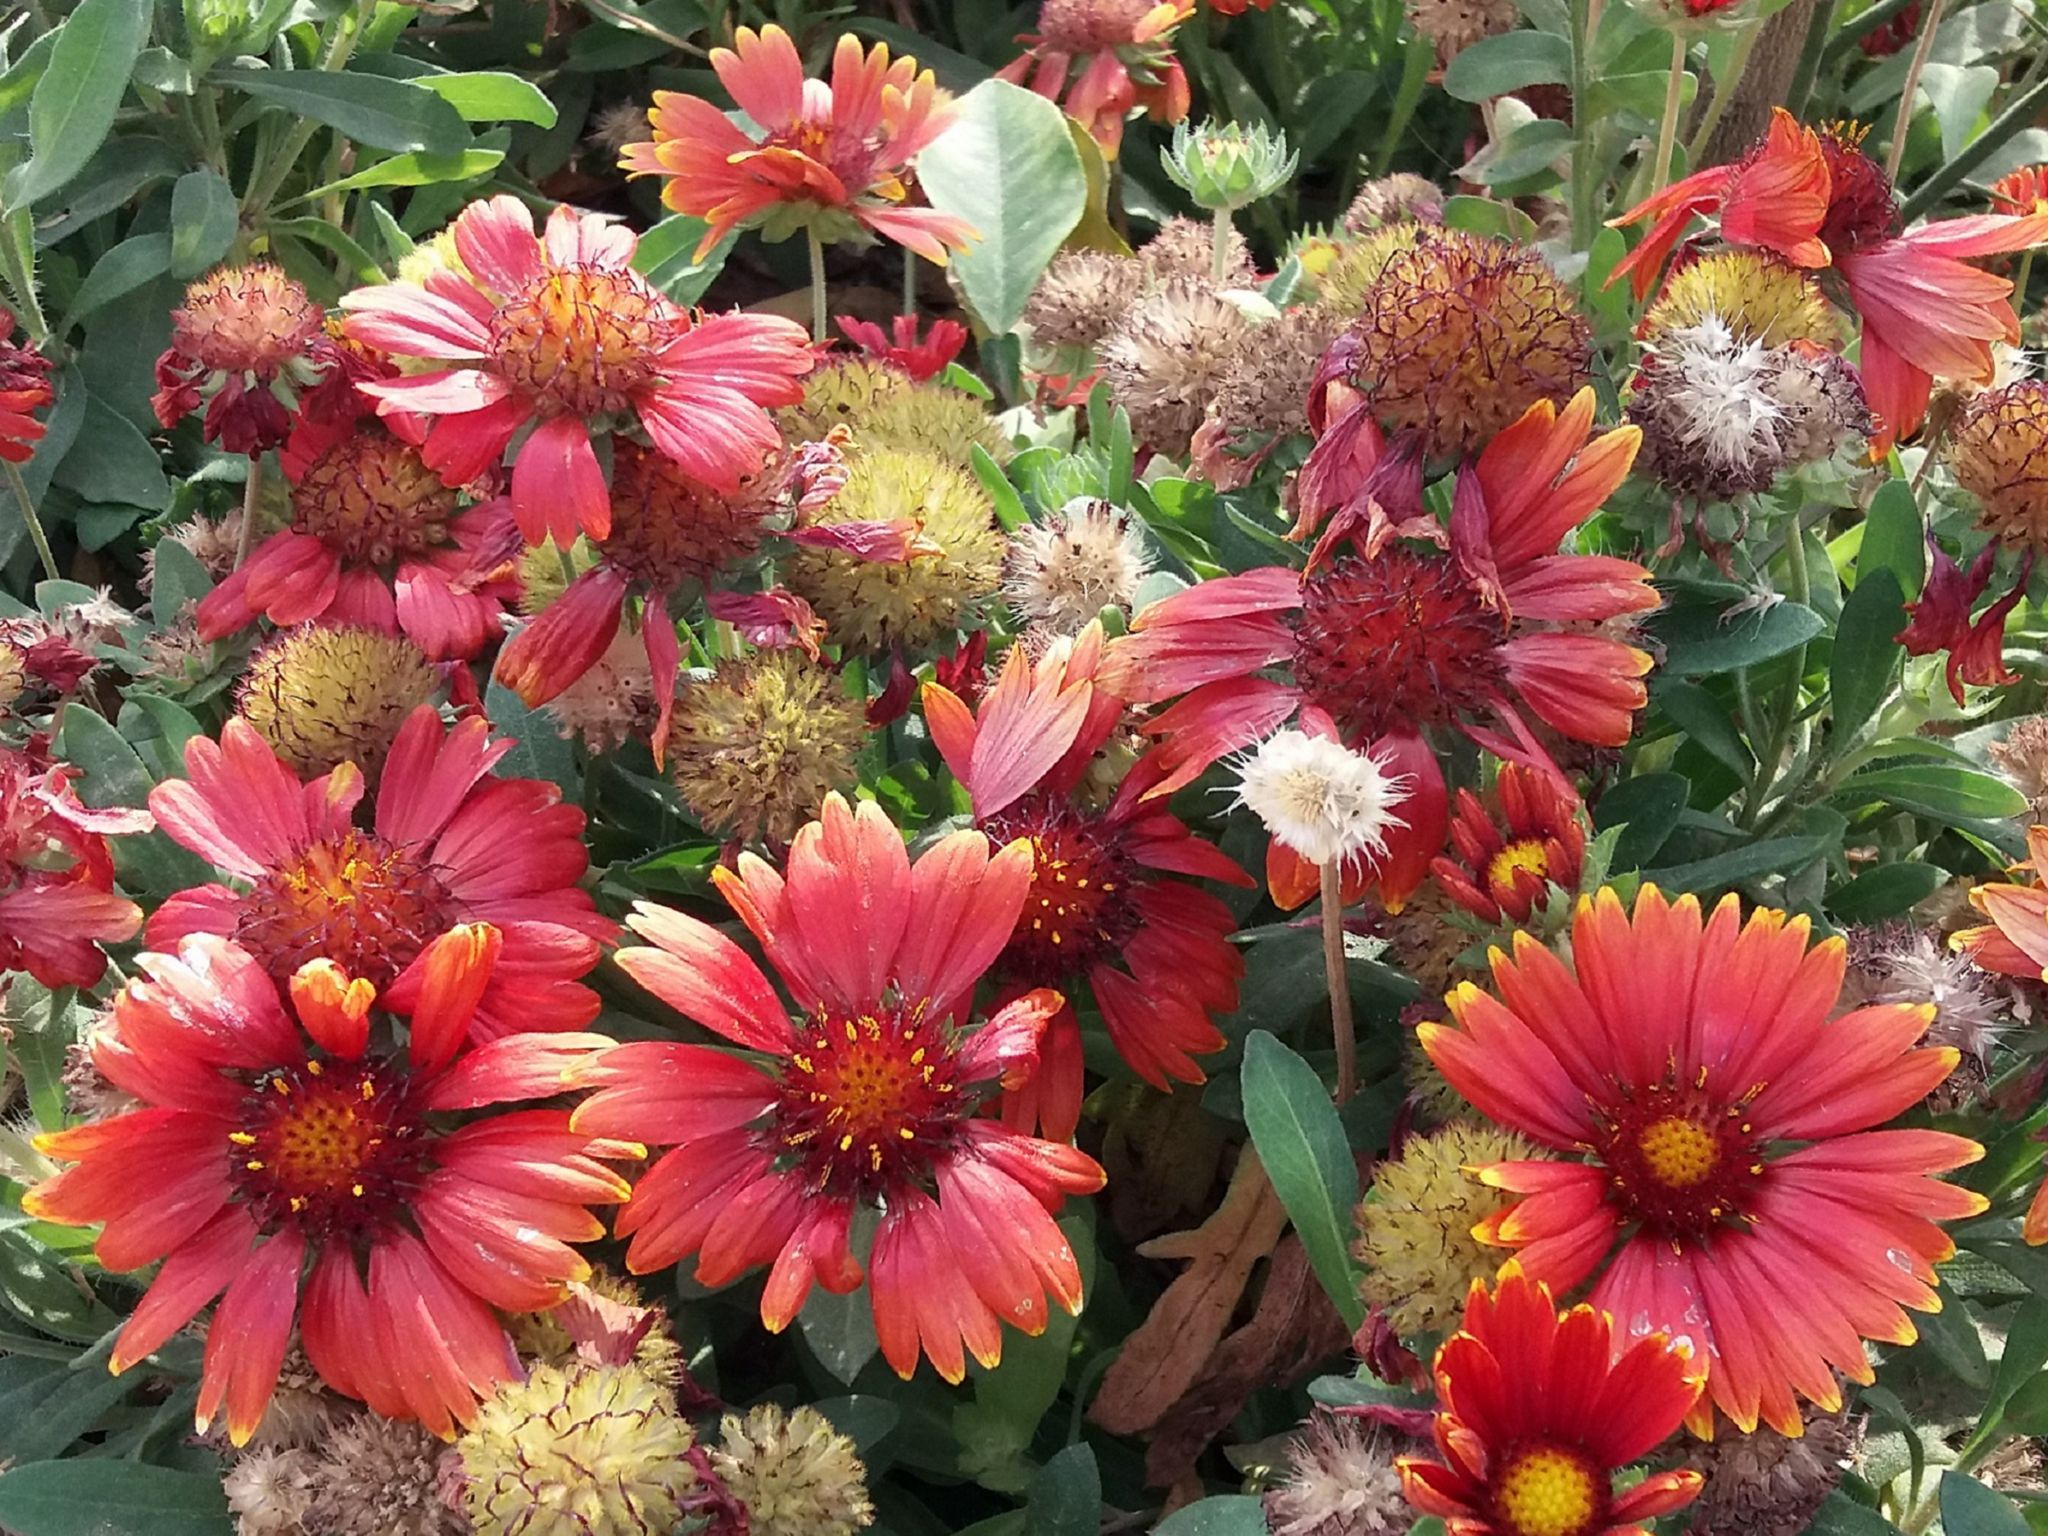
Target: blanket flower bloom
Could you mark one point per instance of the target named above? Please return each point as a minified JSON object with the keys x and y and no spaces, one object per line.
{"x":1539,"y":1409}
{"x":448,"y":844}
{"x":57,"y":899}
{"x":1103,"y":907}
{"x":24,"y":390}
{"x":243,"y":351}
{"x":376,"y":539}
{"x":1533,"y":836}
{"x":1819,"y":201}
{"x":836,"y":157}
{"x":1679,"y":1058}
{"x":2015,"y":943}
{"x":866,"y":1099}
{"x":558,"y":331}
{"x":274,"y":1135}
{"x":1413,"y":629}
{"x":1108,"y":59}
{"x":921,"y":357}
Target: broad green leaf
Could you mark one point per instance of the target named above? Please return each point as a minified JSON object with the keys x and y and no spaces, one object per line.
{"x":1843,"y":1516}
{"x":1941,"y":790}
{"x":1703,"y":642}
{"x":40,"y":1287}
{"x":1866,"y":655}
{"x":47,"y":1404}
{"x":1889,"y":890}
{"x":415,"y":170}
{"x":1234,"y":1514}
{"x":2026,"y":1352}
{"x":1950,"y":1336}
{"x":397,"y":115}
{"x":1968,"y":1508}
{"x":491,"y":96}
{"x":203,"y":221}
{"x":88,"y":1496}
{"x":667,"y":258}
{"x":137,"y":260}
{"x":542,"y":751}
{"x":112,"y":461}
{"x":81,"y":88}
{"x":1302,"y":1144}
{"x":840,"y":1331}
{"x":1495,"y":66}
{"x":1526,"y":150}
{"x":1893,"y":539}
{"x":1696,"y":712}
{"x":1066,"y":1496}
{"x":18,"y":83}
{"x":331,"y":237}
{"x":1008,"y":167}
{"x":1647,"y":809}
{"x":1738,"y":866}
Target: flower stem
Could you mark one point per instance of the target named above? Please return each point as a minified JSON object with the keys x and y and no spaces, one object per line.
{"x":1667,"y":130}
{"x":268,"y":177}
{"x":1219,"y":245}
{"x":817,"y":285}
{"x":909,"y":283}
{"x":567,"y":565}
{"x":2019,"y":286}
{"x":1904,"y":122}
{"x":1724,"y":93}
{"x":1341,"y":1027}
{"x":1585,"y":19}
{"x":37,"y":537}
{"x":252,"y":495}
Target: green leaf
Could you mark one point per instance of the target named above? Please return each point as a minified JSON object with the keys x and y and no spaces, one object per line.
{"x":1968,"y":1508}
{"x":47,"y":1404}
{"x":1889,"y":890}
{"x":543,"y":752}
{"x":1843,"y":1516}
{"x":1234,"y":1514}
{"x":1647,"y":809}
{"x":112,"y":461}
{"x":87,"y":1496}
{"x":1944,"y":791}
{"x":1739,"y":866}
{"x":840,"y":1331}
{"x":137,"y":260}
{"x":388,"y":114}
{"x":415,"y":170}
{"x":1950,"y":1336}
{"x":2026,"y":1352}
{"x":1495,"y":66}
{"x":667,"y":257}
{"x":80,"y":91}
{"x":203,"y":221}
{"x":1893,"y":539}
{"x":491,"y":96}
{"x":1866,"y":655}
{"x":331,"y":237}
{"x":1301,"y":1141}
{"x":1704,"y":642}
{"x":1532,"y":147}
{"x":38,"y":1286}
{"x":1696,"y":712}
{"x":1008,"y":167}
{"x":1066,"y":1496}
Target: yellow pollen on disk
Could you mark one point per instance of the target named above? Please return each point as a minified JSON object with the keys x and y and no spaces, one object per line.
{"x":1679,"y":1152}
{"x":1527,"y":854}
{"x":1547,"y":1492}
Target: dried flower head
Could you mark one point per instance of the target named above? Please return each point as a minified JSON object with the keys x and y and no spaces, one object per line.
{"x":1344,"y":281}
{"x":871,"y":605}
{"x":577,"y":1448}
{"x":1755,"y":294}
{"x":2023,"y":758}
{"x":1264,"y":395}
{"x":1185,"y":247}
{"x":1168,"y":357}
{"x":616,"y":125}
{"x":378,"y":1474}
{"x":1455,"y":25}
{"x":756,"y":747}
{"x":1999,"y":449}
{"x":209,"y":540}
{"x":1767,"y":1484}
{"x":1913,"y":965}
{"x":1328,"y":803}
{"x":1461,"y":334}
{"x":1415,"y":1224}
{"x":1062,"y":572}
{"x":795,"y":1473}
{"x":270,"y":1492}
{"x":241,"y":349}
{"x":613,"y":702}
{"x":1397,"y":199}
{"x":1081,"y":297}
{"x":322,"y":695}
{"x":1340,"y":1482}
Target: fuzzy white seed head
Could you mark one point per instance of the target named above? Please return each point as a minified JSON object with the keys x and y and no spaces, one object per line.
{"x":1721,"y":399}
{"x":1063,"y":572}
{"x":1329,"y":804}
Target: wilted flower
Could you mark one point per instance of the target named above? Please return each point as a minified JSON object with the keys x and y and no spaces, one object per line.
{"x":1397,"y":199}
{"x":1916,"y":967}
{"x":241,"y":349}
{"x":756,"y":747}
{"x":269,"y":1492}
{"x":1415,"y":1224}
{"x":1455,"y":25}
{"x":1062,"y":572}
{"x":382,"y":1475}
{"x":1185,"y":247}
{"x":1264,"y":394}
{"x":577,"y":1448}
{"x":835,"y":158}
{"x":57,"y":900}
{"x":1167,"y":358}
{"x":1082,"y":297}
{"x":872,"y":605}
{"x":24,"y":390}
{"x":1331,"y":805}
{"x":1941,"y":618}
{"x":1226,"y":166}
{"x":322,"y":695}
{"x":1999,"y":450}
{"x":212,"y":541}
{"x":2023,"y":758}
{"x":1107,"y":59}
{"x":1340,"y":1481}
{"x":1765,"y":1483}
{"x":795,"y":1473}
{"x":612,"y":702}
{"x":1511,"y":852}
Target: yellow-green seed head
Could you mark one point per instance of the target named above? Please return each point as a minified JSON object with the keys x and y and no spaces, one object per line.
{"x":756,"y":747}
{"x":795,"y":1473}
{"x":885,"y":408}
{"x":1757,"y":296}
{"x":323,"y":695}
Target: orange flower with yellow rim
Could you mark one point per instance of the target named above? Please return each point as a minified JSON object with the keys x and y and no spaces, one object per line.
{"x":1538,"y":1411}
{"x":1683,"y":1060}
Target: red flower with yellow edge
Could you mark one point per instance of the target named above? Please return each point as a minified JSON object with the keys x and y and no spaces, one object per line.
{"x":245,"y":353}
{"x":556,"y":331}
{"x":901,"y":347}
{"x":1539,"y":1410}
{"x":287,"y":1163}
{"x":448,"y":844}
{"x":866,"y":1099}
{"x":1108,"y":59}
{"x":2022,"y":191}
{"x":1819,"y":201}
{"x":834,"y":157}
{"x":1413,"y":629}
{"x":1531,"y":837}
{"x":1104,"y":910}
{"x":1681,"y":1061}
{"x":24,"y":390}
{"x":57,"y":900}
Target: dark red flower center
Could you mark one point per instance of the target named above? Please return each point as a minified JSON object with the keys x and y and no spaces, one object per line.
{"x":867,"y":1100}
{"x":1083,"y":879}
{"x":1679,"y":1165}
{"x":356,"y":900}
{"x":1549,"y":1490}
{"x":668,"y":529}
{"x":1862,"y":208}
{"x":1399,"y":640}
{"x":582,"y":341}
{"x":333,"y":1148}
{"x":371,"y":499}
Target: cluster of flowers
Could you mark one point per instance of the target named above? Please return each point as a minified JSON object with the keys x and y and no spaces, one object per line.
{"x":354,"y":1100}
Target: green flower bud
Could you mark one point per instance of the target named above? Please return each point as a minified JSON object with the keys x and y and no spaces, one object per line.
{"x":1225,"y":166}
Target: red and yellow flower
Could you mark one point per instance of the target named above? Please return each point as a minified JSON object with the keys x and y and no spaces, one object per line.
{"x":1533,"y":836}
{"x":448,"y":844}
{"x":2022,"y":191}
{"x":2015,"y":943}
{"x":1108,"y":59}
{"x":868,"y":1098}
{"x":1819,"y":201}
{"x":24,"y":390}
{"x":285,"y":1164}
{"x":1103,"y":907}
{"x":57,"y":899}
{"x":1673,"y":1064}
{"x":558,"y":332}
{"x":243,"y":352}
{"x":836,"y":157}
{"x":1539,"y":1409}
